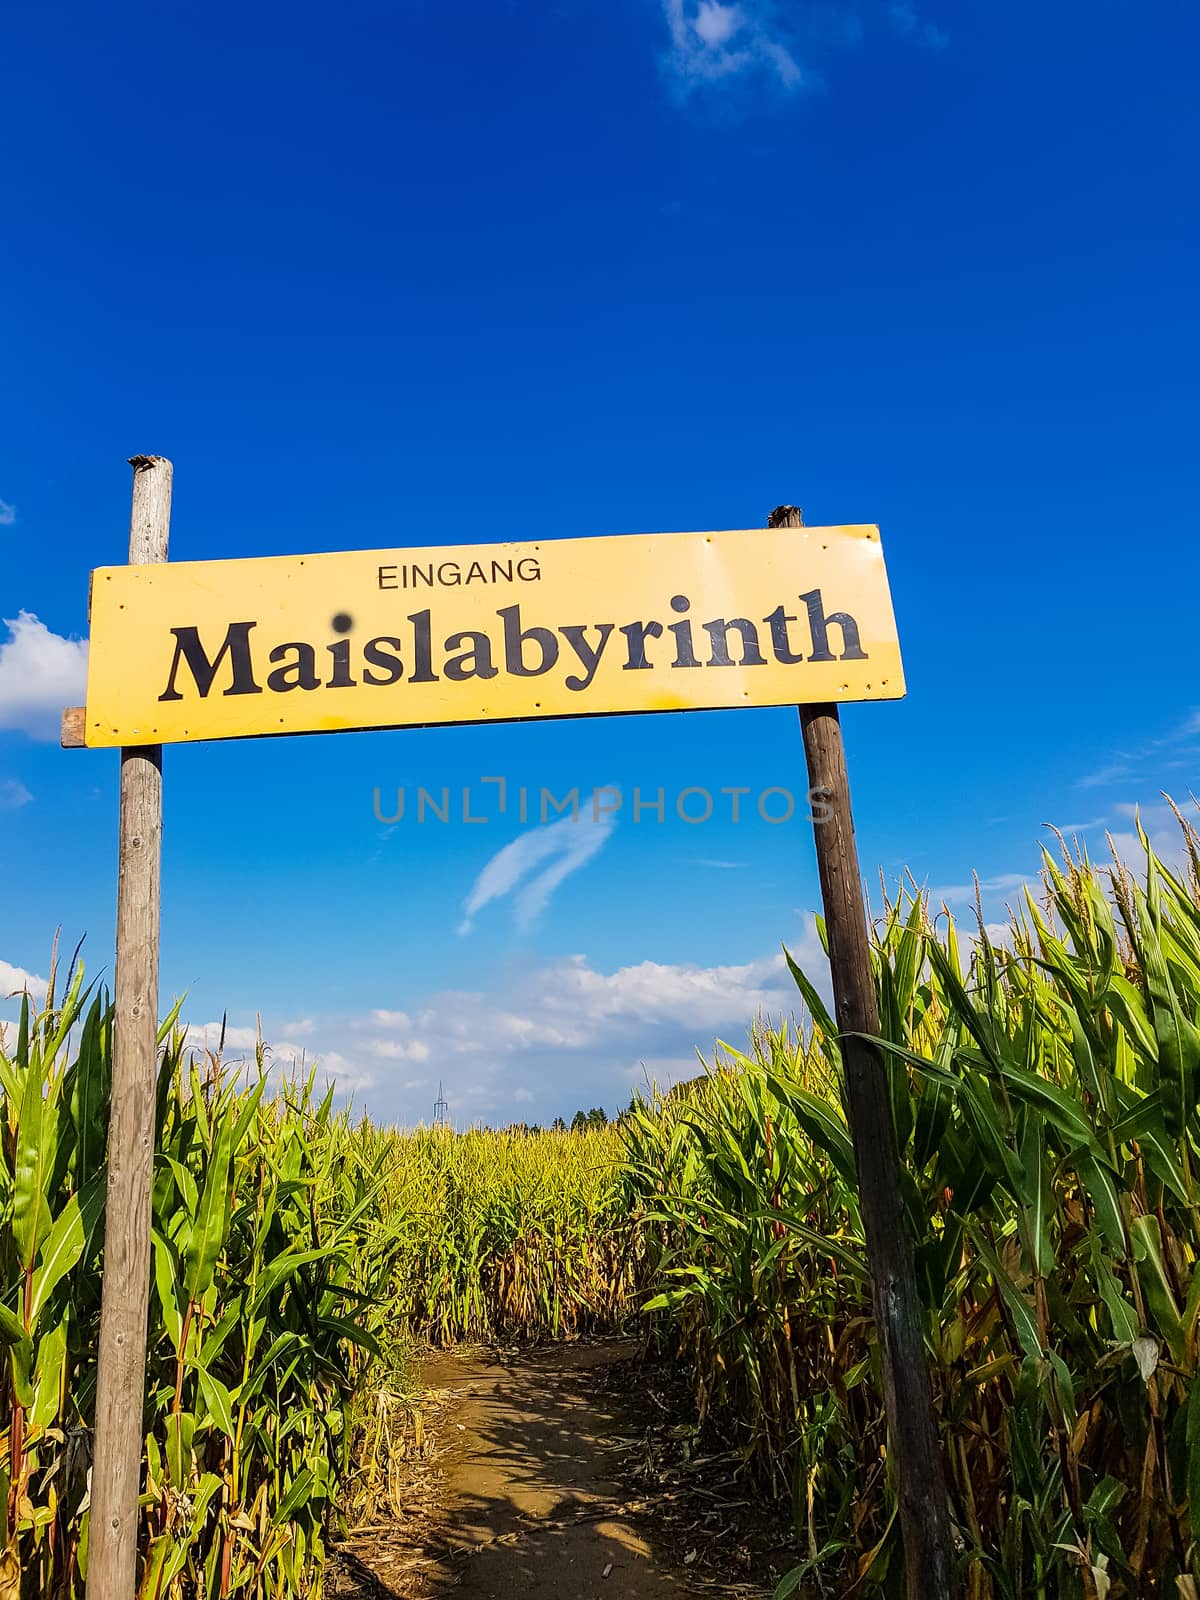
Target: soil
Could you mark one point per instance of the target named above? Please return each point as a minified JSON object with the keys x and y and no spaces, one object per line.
{"x":554,"y":1472}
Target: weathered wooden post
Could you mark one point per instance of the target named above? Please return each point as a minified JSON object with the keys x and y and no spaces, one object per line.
{"x":121,"y":1379}
{"x":912,"y":1429}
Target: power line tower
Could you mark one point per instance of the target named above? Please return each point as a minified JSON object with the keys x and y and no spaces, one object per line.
{"x":441,"y":1111}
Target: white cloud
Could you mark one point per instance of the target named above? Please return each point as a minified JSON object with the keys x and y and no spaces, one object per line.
{"x":558,"y":850}
{"x":283,"y":1053}
{"x":13,"y":794}
{"x":40,"y":674}
{"x":348,"y":1077}
{"x":568,"y":1033}
{"x":544,"y":1042}
{"x":8,"y":514}
{"x":722,"y":42}
{"x":1001,"y":886}
{"x":1102,"y":776}
{"x":1152,"y":817}
{"x":399,"y":1049}
{"x":712,"y":42}
{"x":577,"y":996}
{"x":1161,"y":827}
{"x":15,"y":981}
{"x":716,"y":23}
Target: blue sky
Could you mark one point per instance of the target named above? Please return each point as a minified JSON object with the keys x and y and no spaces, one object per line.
{"x":419,"y":273}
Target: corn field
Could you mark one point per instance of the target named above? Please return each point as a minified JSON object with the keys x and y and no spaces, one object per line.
{"x":1044,"y":1087}
{"x":295,"y":1258}
{"x":268,"y":1271}
{"x":506,"y":1235}
{"x":1045,"y":1098}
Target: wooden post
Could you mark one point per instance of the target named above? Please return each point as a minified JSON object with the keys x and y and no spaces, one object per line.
{"x":908,"y":1395}
{"x":121,"y":1378}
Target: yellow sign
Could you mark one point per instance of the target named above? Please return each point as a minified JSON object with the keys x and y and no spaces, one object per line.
{"x":489,"y":632}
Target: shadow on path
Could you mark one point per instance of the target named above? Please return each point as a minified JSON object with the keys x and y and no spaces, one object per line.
{"x":527,"y":1506}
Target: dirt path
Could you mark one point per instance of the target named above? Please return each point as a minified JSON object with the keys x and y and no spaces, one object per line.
{"x":525,"y":1501}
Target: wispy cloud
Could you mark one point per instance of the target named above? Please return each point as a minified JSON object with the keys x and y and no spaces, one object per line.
{"x":905,"y":20}
{"x":533,"y":865}
{"x":1110,"y":772}
{"x":712,"y":42}
{"x":8,"y":514}
{"x":1162,"y":751}
{"x":998,"y":887}
{"x":718,"y":43}
{"x":40,"y":673}
{"x":13,"y":794}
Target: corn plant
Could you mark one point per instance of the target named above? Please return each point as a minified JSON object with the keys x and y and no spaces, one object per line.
{"x":508,"y":1235}
{"x":268,"y":1269}
{"x":295,"y":1257}
{"x":1044,"y":1094}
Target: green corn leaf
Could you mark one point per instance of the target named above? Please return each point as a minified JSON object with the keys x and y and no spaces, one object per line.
{"x":183,"y":1549}
{"x":12,"y":1330}
{"x":180,"y":1427}
{"x":21,"y":1355}
{"x":65,"y":1244}
{"x":1055,"y":1104}
{"x":218,"y":1400}
{"x":1178,"y":1039}
{"x":299,"y":1493}
{"x":1041,"y":1200}
{"x":212,"y":1218}
{"x":351,"y":1333}
{"x":1193,"y":1458}
{"x":1019,"y":1308}
{"x":90,"y":1090}
{"x":185,"y":1183}
{"x":280,"y":1270}
{"x":816,"y":1006}
{"x":1128,"y":1006}
{"x":977,"y":1023}
{"x":1100,"y":1186}
{"x":170,"y":1022}
{"x":823,"y":1125}
{"x":1065,"y":1385}
{"x":247,"y":1112}
{"x":153,"y":1579}
{"x":34,"y":1156}
{"x":1121,"y":1314}
{"x":1156,"y":1285}
{"x":165,"y":1281}
{"x":48,"y":1376}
